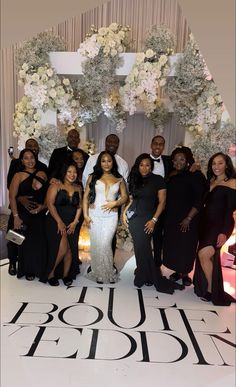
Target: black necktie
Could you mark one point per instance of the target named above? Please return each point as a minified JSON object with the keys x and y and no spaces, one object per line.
{"x":157,"y":160}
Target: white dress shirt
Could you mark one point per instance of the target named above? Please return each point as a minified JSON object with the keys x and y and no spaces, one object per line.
{"x":123,"y":168}
{"x":158,"y":166}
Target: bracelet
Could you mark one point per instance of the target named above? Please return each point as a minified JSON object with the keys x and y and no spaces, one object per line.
{"x":154,"y":219}
{"x":15,"y":215}
{"x":189,"y":218}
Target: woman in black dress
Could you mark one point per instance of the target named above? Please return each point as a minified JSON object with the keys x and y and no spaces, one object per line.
{"x":217,"y":224}
{"x":147,"y":201}
{"x":32,"y":183}
{"x":185,"y":194}
{"x":64,"y":202}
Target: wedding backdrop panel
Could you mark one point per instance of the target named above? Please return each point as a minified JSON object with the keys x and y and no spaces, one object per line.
{"x":140,"y":16}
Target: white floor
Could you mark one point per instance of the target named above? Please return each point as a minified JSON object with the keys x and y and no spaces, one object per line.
{"x":116,"y":335}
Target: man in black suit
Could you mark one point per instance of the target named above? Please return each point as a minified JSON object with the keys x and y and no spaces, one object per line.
{"x":162,"y":167}
{"x":60,"y":155}
{"x":26,"y":201}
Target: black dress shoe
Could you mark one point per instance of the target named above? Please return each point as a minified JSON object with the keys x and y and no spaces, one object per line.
{"x":53,"y":281}
{"x":30,"y":277}
{"x":12,"y":268}
{"x":175,"y":277}
{"x":186,"y":280}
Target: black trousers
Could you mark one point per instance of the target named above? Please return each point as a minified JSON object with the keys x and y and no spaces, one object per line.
{"x":158,"y":240}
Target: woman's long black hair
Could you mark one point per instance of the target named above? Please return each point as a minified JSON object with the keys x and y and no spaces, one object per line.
{"x":229,"y":170}
{"x":98,"y":172}
{"x":135,"y":179}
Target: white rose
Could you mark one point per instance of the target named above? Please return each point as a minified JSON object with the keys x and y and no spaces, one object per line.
{"x":103,"y":31}
{"x":66,"y":81}
{"x":35,"y":77}
{"x":140,"y":57}
{"x":101,"y":40}
{"x":52,"y":83}
{"x":49,"y":72}
{"x":149,"y":53}
{"x":22,"y":74}
{"x":22,"y":127}
{"x":135,"y":72}
{"x":36,"y":116}
{"x":20,"y":82}
{"x":163,"y":59}
{"x":44,"y":77}
{"x":120,"y":49}
{"x":121,"y":34}
{"x":113,"y":27}
{"x":139,"y":90}
{"x":52,"y":93}
{"x":25,"y":66}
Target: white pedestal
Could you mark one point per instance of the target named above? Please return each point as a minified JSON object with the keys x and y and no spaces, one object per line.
{"x":70,"y":63}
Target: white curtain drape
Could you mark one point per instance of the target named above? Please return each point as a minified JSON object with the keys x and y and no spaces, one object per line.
{"x":140,"y":15}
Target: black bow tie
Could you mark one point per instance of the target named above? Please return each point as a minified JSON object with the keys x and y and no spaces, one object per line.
{"x":157,"y":160}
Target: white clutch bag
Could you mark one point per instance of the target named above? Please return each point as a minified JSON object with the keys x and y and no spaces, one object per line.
{"x":15,"y":237}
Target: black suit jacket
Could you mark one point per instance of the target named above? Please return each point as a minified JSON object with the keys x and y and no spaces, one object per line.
{"x":15,"y":166}
{"x":167,"y":165}
{"x":58,"y":158}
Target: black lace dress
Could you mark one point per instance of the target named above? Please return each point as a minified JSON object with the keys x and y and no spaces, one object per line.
{"x":66,"y":207}
{"x":216,"y":218}
{"x":32,"y":253}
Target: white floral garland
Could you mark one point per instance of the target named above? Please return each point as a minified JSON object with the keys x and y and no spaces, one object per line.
{"x":141,"y":86}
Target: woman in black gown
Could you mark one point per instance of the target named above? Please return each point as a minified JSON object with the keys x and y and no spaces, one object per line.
{"x":185,"y":194}
{"x":147,"y":201}
{"x":64,"y":202}
{"x":217,"y":224}
{"x":32,"y":183}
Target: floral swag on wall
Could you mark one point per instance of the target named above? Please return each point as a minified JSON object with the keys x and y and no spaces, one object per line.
{"x":192,"y":92}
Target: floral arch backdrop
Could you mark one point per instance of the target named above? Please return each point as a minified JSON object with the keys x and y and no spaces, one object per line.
{"x":192,"y":92}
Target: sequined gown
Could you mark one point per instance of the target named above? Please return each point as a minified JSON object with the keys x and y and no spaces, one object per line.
{"x":102,"y":230}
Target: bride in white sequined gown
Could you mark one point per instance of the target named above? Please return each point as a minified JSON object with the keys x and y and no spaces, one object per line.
{"x":105,"y":192}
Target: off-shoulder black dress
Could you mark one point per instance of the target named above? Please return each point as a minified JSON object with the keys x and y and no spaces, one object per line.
{"x":216,"y":218}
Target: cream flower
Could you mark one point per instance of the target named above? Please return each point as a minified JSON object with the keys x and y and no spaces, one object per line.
{"x":52,"y":93}
{"x":163,"y":59}
{"x":113,"y":27}
{"x":103,"y":31}
{"x":50,"y":72}
{"x":149,"y":53}
{"x":25,"y":67}
{"x":140,"y":57}
{"x":66,"y":81}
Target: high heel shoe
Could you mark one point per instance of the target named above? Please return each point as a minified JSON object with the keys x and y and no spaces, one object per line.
{"x":67,"y":281}
{"x":53,"y":281}
{"x":207,"y":297}
{"x":12,"y":268}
